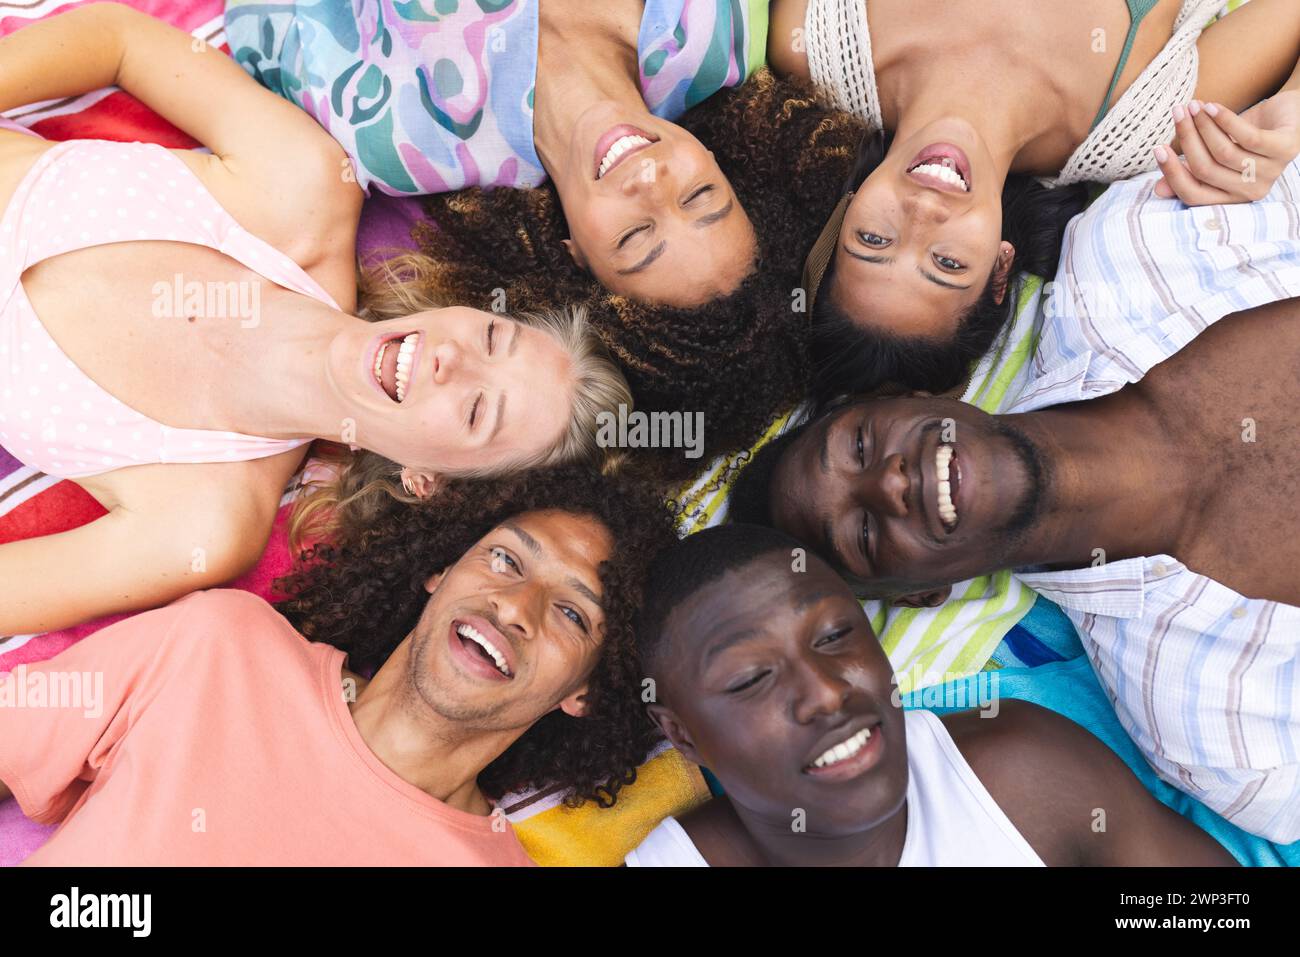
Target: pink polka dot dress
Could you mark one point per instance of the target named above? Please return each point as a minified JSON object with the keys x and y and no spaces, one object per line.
{"x":84,"y":193}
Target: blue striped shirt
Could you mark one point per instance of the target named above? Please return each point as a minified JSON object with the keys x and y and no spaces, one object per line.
{"x":1204,"y":680}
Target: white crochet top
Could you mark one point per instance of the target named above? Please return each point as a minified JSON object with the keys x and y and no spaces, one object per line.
{"x":838,"y":42}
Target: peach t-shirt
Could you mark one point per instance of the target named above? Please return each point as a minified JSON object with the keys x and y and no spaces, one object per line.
{"x":222,"y":738}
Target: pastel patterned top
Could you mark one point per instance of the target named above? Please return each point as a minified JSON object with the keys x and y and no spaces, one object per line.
{"x":432,"y":96}
{"x":84,"y":193}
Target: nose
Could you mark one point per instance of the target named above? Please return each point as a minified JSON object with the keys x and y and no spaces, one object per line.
{"x":648,"y":177}
{"x":821,"y":690}
{"x":884,"y":486}
{"x":514,"y":607}
{"x":926,"y":206}
{"x":447,"y":358}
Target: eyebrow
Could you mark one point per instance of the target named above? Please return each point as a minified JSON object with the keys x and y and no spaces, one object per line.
{"x":645,"y":263}
{"x":708,"y":220}
{"x":884,"y":261}
{"x":749,"y":634}
{"x":535,"y":547}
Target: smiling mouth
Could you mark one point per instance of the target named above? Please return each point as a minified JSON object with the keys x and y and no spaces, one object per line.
{"x":617,"y":145}
{"x":948,"y":474}
{"x":943,"y":167}
{"x":478,"y":643}
{"x":392,"y":367}
{"x":850,"y":757}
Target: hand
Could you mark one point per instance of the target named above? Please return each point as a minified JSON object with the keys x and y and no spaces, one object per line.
{"x":1229,"y":158}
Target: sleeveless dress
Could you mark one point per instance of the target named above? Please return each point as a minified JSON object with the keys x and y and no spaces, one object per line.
{"x":433,"y":96}
{"x":84,"y":193}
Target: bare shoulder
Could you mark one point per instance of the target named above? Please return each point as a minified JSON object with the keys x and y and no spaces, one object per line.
{"x":311,"y":219}
{"x":18,"y":153}
{"x":221,"y":513}
{"x":1044,"y":771}
{"x":785,"y":38}
{"x":719,"y":836}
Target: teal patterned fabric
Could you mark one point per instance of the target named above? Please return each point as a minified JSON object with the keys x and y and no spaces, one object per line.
{"x":430,"y":96}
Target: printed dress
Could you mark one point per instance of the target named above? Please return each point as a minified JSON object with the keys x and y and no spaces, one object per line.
{"x":430,"y":96}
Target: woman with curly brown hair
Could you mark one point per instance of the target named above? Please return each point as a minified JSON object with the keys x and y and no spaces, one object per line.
{"x":740,"y":358}
{"x":510,"y":93}
{"x":480,"y":552}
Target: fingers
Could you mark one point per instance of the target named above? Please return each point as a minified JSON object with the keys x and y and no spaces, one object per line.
{"x":1246,"y":134}
{"x":1199,"y":160}
{"x":1179,"y":179}
{"x":1220,"y":146}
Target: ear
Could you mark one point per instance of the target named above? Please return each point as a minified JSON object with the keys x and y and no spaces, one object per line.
{"x":1002,"y":270}
{"x":575,"y":254}
{"x":420,"y":483}
{"x":923,"y":599}
{"x":575,"y":705}
{"x":431,"y":583}
{"x":674,"y":731}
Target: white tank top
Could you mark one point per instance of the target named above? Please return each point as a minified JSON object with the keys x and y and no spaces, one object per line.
{"x":952,"y":820}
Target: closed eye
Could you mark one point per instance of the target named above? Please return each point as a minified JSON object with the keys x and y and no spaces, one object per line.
{"x":474,"y":410}
{"x":831,"y":638}
{"x":736,"y":689}
{"x":627,"y":237}
{"x":697,"y":194}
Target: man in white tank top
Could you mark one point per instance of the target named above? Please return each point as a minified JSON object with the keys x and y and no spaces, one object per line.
{"x":766,"y":670}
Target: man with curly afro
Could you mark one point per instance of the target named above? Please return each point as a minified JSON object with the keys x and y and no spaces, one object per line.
{"x":499,"y":620}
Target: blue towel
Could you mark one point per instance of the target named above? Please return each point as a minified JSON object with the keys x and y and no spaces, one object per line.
{"x":1066,"y":684}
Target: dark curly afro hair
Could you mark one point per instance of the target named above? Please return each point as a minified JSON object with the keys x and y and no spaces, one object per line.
{"x":364,"y":591}
{"x":739,"y":359}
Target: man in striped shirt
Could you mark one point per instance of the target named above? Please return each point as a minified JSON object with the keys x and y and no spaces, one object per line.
{"x":1147,"y":480}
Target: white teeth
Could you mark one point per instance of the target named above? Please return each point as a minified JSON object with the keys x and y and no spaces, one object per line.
{"x":843,"y":750}
{"x":474,"y":635}
{"x":621,"y":146}
{"x":405,"y":353}
{"x":942,"y":468}
{"x":941,"y":171}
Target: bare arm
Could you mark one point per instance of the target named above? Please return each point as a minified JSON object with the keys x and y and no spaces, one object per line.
{"x":277,"y":171}
{"x":129,"y":560}
{"x":1072,"y":798}
{"x":1248,"y":55}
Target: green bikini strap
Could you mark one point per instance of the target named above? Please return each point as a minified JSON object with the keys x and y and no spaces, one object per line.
{"x":1137,"y":12}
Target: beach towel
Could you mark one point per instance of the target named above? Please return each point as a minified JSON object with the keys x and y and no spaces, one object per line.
{"x":33,"y":504}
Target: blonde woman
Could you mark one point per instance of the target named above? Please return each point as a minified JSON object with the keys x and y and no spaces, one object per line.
{"x":176,"y":327}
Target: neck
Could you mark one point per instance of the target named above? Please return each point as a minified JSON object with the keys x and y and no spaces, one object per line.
{"x":440,"y":756}
{"x":276,"y":369}
{"x":586,"y":54}
{"x":1119,"y":482}
{"x":918,"y":87}
{"x":781,"y":846}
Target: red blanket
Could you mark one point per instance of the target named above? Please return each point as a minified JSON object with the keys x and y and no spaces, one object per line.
{"x":31,"y":503}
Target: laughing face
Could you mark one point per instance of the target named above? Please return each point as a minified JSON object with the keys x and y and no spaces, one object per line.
{"x":450,"y":390}
{"x":512,"y":631}
{"x":922,"y":235}
{"x":650,"y":214}
{"x":774,"y":680}
{"x":910,"y":493}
